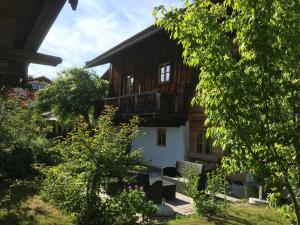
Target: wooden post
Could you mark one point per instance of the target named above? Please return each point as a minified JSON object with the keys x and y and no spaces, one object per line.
{"x":135,"y":103}
{"x":260,"y":192}
{"x":157,"y":102}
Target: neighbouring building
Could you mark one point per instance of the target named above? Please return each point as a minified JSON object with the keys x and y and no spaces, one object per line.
{"x":147,"y":77}
{"x":31,"y":87}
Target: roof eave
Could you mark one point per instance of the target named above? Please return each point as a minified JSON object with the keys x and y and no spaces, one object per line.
{"x":106,"y":56}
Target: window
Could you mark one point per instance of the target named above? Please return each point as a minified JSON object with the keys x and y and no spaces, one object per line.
{"x":203,"y":145}
{"x":128,"y":84}
{"x":161,"y":137}
{"x":35,"y":86}
{"x":164,"y":72}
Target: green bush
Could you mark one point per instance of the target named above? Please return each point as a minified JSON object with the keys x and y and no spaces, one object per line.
{"x":93,"y":161}
{"x":22,"y":137}
{"x":130,"y":207}
{"x":206,"y":201}
{"x":18,"y":161}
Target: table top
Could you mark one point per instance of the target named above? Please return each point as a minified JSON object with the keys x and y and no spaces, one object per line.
{"x":165,"y":183}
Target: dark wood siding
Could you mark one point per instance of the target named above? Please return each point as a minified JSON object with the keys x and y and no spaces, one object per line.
{"x":143,"y":62}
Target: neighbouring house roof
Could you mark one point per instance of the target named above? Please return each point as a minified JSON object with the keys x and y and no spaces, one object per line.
{"x":42,"y":78}
{"x":23,"y":26}
{"x":107,"y":56}
{"x":105,"y":75}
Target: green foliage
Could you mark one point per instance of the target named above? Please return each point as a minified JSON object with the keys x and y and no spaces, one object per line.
{"x":74,"y":93}
{"x":18,"y":124}
{"x":126,"y":208}
{"x":206,"y":201}
{"x":93,"y":162}
{"x":22,"y":137}
{"x":285,"y":209}
{"x":248,"y":56}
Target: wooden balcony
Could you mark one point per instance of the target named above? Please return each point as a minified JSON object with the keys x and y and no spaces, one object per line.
{"x":146,"y":103}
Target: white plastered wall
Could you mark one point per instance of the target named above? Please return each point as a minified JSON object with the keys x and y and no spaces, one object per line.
{"x":157,"y":156}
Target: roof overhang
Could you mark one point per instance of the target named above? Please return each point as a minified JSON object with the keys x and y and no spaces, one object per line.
{"x":23,"y":27}
{"x":139,"y":37}
{"x":28,"y":57}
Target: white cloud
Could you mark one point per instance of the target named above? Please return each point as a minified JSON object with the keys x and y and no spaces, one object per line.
{"x":95,"y":27}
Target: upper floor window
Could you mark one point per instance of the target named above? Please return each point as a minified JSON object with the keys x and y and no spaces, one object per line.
{"x":161,"y":137}
{"x":164,"y":72}
{"x":128,"y":84}
{"x":203,"y":145}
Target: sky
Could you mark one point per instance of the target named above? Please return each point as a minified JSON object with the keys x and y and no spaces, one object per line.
{"x":95,"y":27}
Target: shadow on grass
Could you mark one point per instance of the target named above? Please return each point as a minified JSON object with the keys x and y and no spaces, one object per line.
{"x":14,"y":192}
{"x":15,"y":218}
{"x":227,"y":219}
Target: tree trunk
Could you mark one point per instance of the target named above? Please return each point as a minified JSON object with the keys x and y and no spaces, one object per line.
{"x":294,"y":199}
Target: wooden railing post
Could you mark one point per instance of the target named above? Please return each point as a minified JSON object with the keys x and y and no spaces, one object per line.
{"x":157,"y":102}
{"x":135,"y":103}
{"x":119,"y":105}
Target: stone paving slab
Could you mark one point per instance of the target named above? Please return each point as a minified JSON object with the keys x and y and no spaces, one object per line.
{"x":182,"y":204}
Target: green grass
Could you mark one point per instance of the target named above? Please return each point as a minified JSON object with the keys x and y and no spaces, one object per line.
{"x":238,"y":214}
{"x":20,"y":204}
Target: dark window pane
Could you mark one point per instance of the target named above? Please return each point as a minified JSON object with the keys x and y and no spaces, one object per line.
{"x":208,"y":147}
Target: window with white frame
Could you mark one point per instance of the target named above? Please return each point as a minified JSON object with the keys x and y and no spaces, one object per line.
{"x":164,"y":72}
{"x":128,"y":84}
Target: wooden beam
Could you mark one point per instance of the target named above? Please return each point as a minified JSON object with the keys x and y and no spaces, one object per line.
{"x":73,"y":4}
{"x":29,"y":57}
{"x":43,"y":23}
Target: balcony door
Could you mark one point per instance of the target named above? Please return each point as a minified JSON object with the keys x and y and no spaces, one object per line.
{"x":128,"y":84}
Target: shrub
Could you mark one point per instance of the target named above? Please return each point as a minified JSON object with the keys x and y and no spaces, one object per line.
{"x":18,"y":161}
{"x":206,"y":201}
{"x":22,"y":137}
{"x":129,"y":208}
{"x":92,"y":161}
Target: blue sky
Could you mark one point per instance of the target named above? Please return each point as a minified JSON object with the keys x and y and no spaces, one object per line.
{"x":96,"y":26}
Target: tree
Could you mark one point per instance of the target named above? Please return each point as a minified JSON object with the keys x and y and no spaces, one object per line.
{"x":73,"y":93}
{"x":93,"y":164}
{"x":248,"y":55}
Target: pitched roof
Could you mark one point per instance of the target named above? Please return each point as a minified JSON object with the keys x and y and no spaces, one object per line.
{"x":106,"y":56}
{"x":43,"y":78}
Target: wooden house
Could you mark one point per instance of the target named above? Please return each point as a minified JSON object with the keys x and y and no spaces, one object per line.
{"x":31,"y":87}
{"x":147,"y":77}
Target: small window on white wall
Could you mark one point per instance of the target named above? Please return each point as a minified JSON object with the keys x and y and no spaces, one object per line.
{"x":161,"y":137}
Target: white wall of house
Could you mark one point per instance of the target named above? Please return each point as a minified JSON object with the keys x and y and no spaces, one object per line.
{"x":157,"y":156}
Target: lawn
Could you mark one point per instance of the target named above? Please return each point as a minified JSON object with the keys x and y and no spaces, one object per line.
{"x":20,"y":204}
{"x":237,"y":214}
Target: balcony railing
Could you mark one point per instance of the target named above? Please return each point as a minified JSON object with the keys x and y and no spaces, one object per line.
{"x":152,"y":102}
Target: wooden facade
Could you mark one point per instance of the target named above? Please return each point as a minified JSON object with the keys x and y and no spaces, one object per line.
{"x":149,"y":95}
{"x":136,"y":87}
